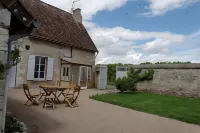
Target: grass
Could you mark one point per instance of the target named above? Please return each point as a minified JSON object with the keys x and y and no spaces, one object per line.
{"x":180,"y":108}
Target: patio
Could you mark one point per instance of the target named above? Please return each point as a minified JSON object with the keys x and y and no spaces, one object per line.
{"x":91,"y":117}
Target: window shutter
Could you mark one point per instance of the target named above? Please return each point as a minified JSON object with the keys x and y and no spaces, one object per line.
{"x":31,"y":67}
{"x":50,"y":69}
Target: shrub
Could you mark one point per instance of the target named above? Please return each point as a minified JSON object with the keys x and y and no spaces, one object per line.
{"x":133,"y":77}
{"x":12,"y":125}
{"x":2,"y":69}
{"x":15,"y":59}
{"x":118,"y":84}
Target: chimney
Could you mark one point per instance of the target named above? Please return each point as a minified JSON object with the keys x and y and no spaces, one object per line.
{"x":77,"y":15}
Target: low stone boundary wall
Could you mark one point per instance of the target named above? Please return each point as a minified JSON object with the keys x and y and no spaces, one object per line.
{"x":172,"y":79}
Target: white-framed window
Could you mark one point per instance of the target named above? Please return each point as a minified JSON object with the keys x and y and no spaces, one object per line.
{"x":40,"y":68}
{"x":89,"y":74}
{"x":65,"y":75}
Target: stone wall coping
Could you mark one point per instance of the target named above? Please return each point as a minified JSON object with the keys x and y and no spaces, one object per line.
{"x":168,"y":66}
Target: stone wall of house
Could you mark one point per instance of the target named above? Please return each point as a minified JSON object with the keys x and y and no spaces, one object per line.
{"x":4,"y":33}
{"x":180,"y":80}
{"x":44,"y":48}
{"x":3,"y":44}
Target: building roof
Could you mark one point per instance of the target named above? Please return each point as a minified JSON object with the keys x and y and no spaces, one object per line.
{"x":58,"y":26}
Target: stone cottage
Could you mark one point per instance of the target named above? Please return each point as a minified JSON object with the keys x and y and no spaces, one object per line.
{"x":54,"y":45}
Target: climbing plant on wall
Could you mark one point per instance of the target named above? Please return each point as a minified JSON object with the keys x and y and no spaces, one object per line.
{"x":133,"y":77}
{"x":14,"y":58}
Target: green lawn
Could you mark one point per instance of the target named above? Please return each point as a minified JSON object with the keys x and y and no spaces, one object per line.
{"x":183,"y":109}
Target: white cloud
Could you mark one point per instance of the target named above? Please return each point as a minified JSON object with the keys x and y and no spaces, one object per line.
{"x":157,"y":46}
{"x":118,"y":32}
{"x":119,"y":44}
{"x":160,"y":7}
{"x":89,"y":7}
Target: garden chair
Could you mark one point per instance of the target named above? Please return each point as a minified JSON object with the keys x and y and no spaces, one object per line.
{"x":50,"y":98}
{"x":43,"y":94}
{"x":69,"y":91}
{"x":71,"y":98}
{"x":58,"y":83}
{"x":32,"y":99}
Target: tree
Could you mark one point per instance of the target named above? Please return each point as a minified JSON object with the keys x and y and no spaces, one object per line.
{"x":133,"y":77}
{"x":14,"y":61}
{"x":111,"y":72}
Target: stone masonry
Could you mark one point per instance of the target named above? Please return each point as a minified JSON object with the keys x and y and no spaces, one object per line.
{"x":43,"y":48}
{"x":173,"y":80}
{"x":4,"y":33}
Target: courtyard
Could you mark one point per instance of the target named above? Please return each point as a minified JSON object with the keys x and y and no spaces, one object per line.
{"x":91,"y":117}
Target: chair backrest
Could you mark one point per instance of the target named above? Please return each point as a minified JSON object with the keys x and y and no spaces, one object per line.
{"x":27,"y":91}
{"x":72,"y":86}
{"x":58,"y":83}
{"x":77,"y":88}
{"x":76,"y":93}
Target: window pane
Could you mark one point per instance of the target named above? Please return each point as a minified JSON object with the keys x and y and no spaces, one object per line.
{"x":42,"y":67}
{"x":41,"y":74}
{"x":37,"y":58}
{"x":36,"y":67}
{"x":64,"y":71}
{"x":67,"y":72}
{"x":42,"y":61}
{"x":84,"y":74}
{"x":89,"y":73}
{"x":36,"y":75}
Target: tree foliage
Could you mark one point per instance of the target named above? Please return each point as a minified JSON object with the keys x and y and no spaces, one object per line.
{"x":2,"y":68}
{"x":176,"y":62}
{"x":112,"y":71}
{"x":14,"y":58}
{"x":133,"y":77}
{"x":12,"y":125}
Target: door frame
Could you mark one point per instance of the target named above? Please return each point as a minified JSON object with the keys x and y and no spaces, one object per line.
{"x":80,"y":72}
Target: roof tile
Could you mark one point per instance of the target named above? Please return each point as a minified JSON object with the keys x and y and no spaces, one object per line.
{"x":58,"y":26}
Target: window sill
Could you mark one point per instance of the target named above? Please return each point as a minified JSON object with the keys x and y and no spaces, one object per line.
{"x":39,"y":80}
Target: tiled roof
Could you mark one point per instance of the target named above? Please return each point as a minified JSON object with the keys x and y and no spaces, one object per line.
{"x":58,"y":26}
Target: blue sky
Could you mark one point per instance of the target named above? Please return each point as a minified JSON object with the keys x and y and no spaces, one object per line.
{"x":182,"y":21}
{"x":135,"y":31}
